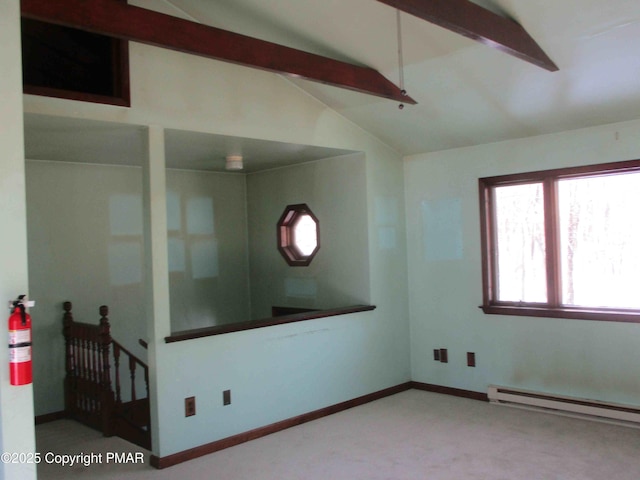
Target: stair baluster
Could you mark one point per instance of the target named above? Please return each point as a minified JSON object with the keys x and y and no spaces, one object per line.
{"x":116,"y":358}
{"x":89,"y":395}
{"x":132,"y":372}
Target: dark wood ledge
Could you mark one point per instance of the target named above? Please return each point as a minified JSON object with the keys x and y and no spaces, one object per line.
{"x":577,"y":313}
{"x":264,"y":322}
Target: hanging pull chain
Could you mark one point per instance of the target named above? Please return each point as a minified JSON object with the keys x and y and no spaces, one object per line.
{"x":400,"y":60}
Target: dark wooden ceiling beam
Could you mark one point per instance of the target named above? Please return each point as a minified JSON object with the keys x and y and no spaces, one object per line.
{"x":117,"y":19}
{"x":480,"y":24}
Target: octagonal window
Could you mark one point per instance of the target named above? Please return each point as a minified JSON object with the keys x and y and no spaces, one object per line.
{"x":298,"y":235}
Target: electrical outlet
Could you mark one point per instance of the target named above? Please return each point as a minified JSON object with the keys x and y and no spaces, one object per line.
{"x":471,"y":359}
{"x":436,"y":354}
{"x":189,"y":406}
{"x":226,"y":397}
{"x":444,"y":357}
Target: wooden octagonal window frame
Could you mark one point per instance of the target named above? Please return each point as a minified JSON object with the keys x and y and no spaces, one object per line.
{"x":294,"y":255}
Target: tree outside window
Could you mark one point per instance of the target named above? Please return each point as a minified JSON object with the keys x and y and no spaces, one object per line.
{"x":563,"y":243}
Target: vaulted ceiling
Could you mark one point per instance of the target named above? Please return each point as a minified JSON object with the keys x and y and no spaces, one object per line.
{"x":466,"y":92}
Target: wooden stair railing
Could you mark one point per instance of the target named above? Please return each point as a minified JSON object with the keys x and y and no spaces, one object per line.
{"x":87,"y":385}
{"x":88,"y":390}
{"x":133,"y":416}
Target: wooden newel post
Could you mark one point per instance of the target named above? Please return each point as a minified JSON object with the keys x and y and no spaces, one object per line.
{"x":104,"y":336}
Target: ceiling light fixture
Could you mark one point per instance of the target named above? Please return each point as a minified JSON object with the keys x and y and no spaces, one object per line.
{"x":234,"y":162}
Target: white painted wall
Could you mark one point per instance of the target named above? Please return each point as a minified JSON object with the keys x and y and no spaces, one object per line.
{"x":590,"y":359}
{"x":208,"y":255}
{"x":336,"y":192}
{"x":16,"y":403}
{"x":86,"y":245}
{"x":279,"y":372}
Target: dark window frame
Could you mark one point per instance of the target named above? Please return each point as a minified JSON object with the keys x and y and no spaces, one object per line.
{"x":552,"y":308}
{"x":286,"y":238}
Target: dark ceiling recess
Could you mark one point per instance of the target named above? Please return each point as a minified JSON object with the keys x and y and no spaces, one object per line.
{"x":66,"y":62}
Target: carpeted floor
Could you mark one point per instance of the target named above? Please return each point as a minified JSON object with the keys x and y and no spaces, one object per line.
{"x":412,"y":435}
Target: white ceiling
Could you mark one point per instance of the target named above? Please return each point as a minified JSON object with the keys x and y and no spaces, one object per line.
{"x":467,"y":93}
{"x":83,"y":141}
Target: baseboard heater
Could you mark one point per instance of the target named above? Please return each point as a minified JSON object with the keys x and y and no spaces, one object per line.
{"x":569,"y":406}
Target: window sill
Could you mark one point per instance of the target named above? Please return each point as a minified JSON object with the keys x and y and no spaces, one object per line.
{"x":612,"y":315}
{"x":265,"y":322}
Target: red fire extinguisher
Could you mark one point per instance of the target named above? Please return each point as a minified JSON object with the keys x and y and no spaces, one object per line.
{"x":20,"y":344}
